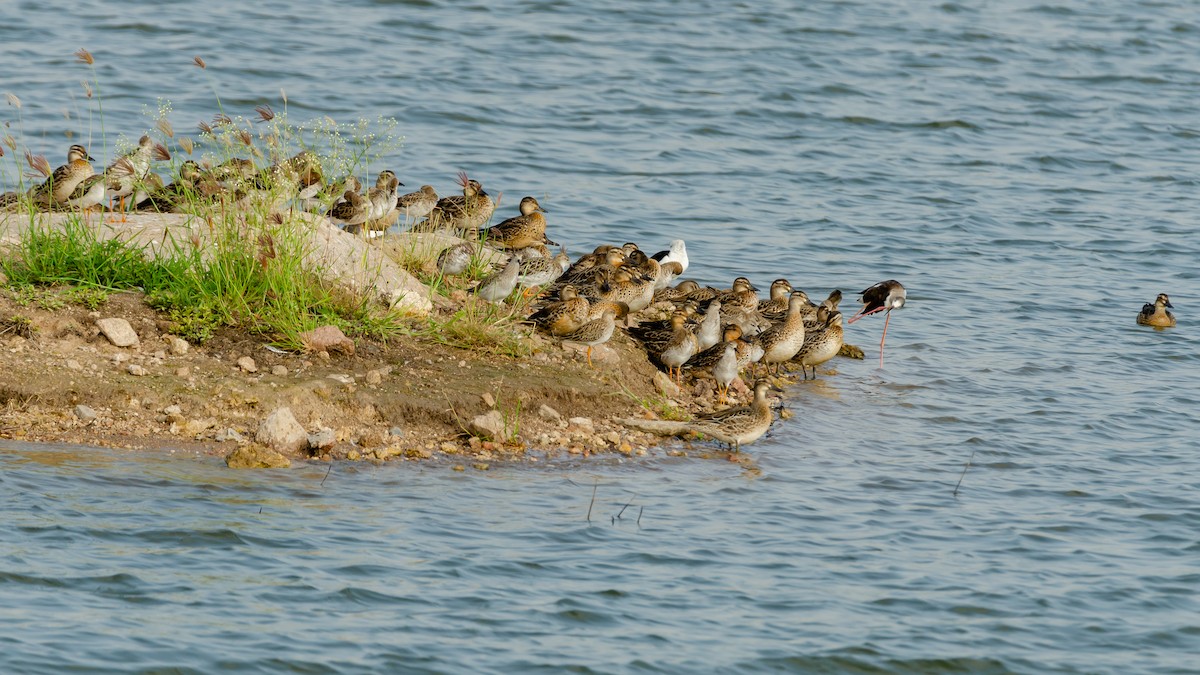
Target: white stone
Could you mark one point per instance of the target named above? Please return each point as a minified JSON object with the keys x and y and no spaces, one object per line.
{"x":548,"y":413}
{"x":279,"y":370}
{"x":323,"y":438}
{"x":136,"y":370}
{"x":489,"y":425}
{"x":581,"y":425}
{"x":85,"y":413}
{"x":281,"y":432}
{"x":178,"y":346}
{"x":247,"y":364}
{"x":119,"y":332}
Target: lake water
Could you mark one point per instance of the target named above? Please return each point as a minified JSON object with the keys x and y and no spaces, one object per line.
{"x":1028,"y":170}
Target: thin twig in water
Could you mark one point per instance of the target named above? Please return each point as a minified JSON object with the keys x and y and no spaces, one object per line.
{"x":625,"y":507}
{"x":639,"y":520}
{"x":964,"y":473}
{"x":591,"y":503}
{"x":327,"y":473}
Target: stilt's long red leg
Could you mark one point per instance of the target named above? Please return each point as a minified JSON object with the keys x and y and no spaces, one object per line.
{"x":887,"y":317}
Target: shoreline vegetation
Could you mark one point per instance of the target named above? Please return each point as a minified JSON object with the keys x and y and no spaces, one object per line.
{"x":232,"y":316}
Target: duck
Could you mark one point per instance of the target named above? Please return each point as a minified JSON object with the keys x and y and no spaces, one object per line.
{"x":500,"y":285}
{"x":783,"y":340}
{"x":677,"y":292}
{"x":521,"y":231}
{"x":1156,"y":314}
{"x":351,"y":210}
{"x":464,"y":213}
{"x":541,"y":270}
{"x":416,"y":205}
{"x":678,"y":349}
{"x":88,"y":194}
{"x":719,"y":360}
{"x":126,"y":172}
{"x":739,"y":425}
{"x":455,"y":260}
{"x":708,"y":333}
{"x":822,"y":344}
{"x":170,"y":197}
{"x":63,"y":180}
{"x":568,"y":313}
{"x":596,"y":331}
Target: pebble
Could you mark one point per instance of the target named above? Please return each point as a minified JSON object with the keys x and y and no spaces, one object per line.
{"x":341,"y":378}
{"x":281,"y":432}
{"x":185,"y":371}
{"x":247,"y":364}
{"x":323,"y":438}
{"x":488,"y":400}
{"x":373,"y":377}
{"x":85,"y":413}
{"x":228,"y":435}
{"x":582,"y":425}
{"x":664,"y":385}
{"x":72,"y":364}
{"x":136,"y":370}
{"x":178,"y":346}
{"x":119,"y":332}
{"x":395,"y":432}
{"x":279,"y":370}
{"x":487,"y":425}
{"x":548,"y":413}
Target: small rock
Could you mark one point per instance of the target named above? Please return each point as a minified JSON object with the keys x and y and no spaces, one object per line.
{"x":488,"y":400}
{"x":279,"y":370}
{"x":374,"y":377}
{"x":395,"y":432}
{"x":613,"y":438}
{"x":341,"y":377}
{"x":547,"y":413}
{"x":85,"y":413}
{"x":194,"y":427}
{"x":120,"y":358}
{"x":228,"y":435}
{"x":119,"y":332}
{"x":72,"y":364}
{"x":281,"y":432}
{"x":247,"y":364}
{"x":136,"y":370}
{"x":488,"y":425}
{"x":172,"y":410}
{"x":327,"y":339}
{"x":185,"y":371}
{"x":323,"y":438}
{"x":256,"y":457}
{"x":178,"y":346}
{"x":664,"y":385}
{"x":581,"y":425}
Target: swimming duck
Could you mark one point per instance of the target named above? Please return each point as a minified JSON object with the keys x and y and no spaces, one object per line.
{"x":1156,"y":314}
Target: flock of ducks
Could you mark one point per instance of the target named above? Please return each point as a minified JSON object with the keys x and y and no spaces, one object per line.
{"x":687,"y":330}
